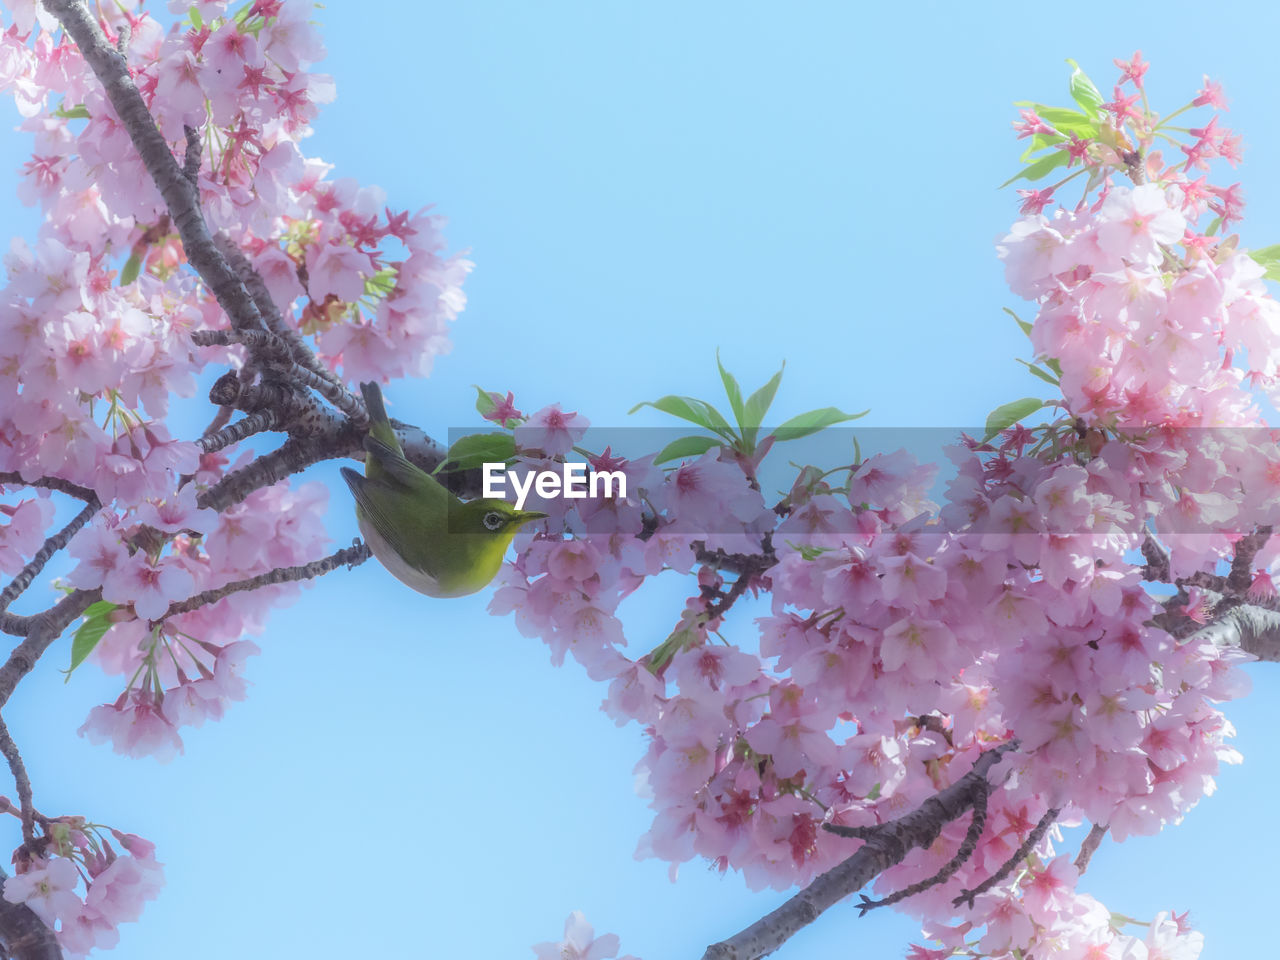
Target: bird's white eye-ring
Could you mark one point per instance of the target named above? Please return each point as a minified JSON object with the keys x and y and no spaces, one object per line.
{"x":493,"y":520}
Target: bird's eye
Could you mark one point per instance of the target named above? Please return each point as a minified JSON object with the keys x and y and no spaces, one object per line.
{"x":493,"y":520}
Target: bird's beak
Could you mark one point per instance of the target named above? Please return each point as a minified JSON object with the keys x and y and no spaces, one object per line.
{"x":527,"y":516}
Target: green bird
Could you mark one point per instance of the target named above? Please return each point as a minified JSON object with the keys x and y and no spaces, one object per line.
{"x":424,"y":535}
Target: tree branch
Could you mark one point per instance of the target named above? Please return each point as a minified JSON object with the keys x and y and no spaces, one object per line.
{"x":233,"y":433}
{"x":180,"y":195}
{"x":349,"y":557}
{"x":1247,"y":547}
{"x":24,"y":935}
{"x":965,"y":851}
{"x":335,"y":439}
{"x":23,"y":784}
{"x":334,"y":390}
{"x":1157,"y":566}
{"x":41,"y":630}
{"x":886,"y":844}
{"x":1040,"y":829}
{"x":191,"y":162}
{"x":1090,"y":846}
{"x":43,"y":555}
{"x":14,"y":479}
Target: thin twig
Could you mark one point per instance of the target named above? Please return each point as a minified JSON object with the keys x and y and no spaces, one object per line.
{"x":43,"y":555}
{"x":23,"y":784}
{"x":888,"y":844}
{"x":14,"y":479}
{"x":220,"y":420}
{"x":348,"y":557}
{"x":1040,"y":829}
{"x":967,"y":847}
{"x":1090,"y":846}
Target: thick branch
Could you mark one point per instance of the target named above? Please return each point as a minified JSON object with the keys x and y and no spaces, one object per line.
{"x":886,"y":845}
{"x":293,"y":456}
{"x":180,"y":195}
{"x":41,"y":630}
{"x":23,"y":935}
{"x":349,"y":557}
{"x":1252,"y":628}
{"x":1247,"y":547}
{"x":235,"y":432}
{"x":962,"y":854}
{"x":191,"y":163}
{"x":1157,"y":566}
{"x":335,"y":439}
{"x":330,"y":387}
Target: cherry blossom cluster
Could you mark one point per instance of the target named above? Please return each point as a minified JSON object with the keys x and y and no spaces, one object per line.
{"x":184,"y":669}
{"x":899,"y":638}
{"x":96,"y":323}
{"x":75,"y":855}
{"x":904,"y":639}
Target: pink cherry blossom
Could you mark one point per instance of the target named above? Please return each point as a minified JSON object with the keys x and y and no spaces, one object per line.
{"x":551,"y":431}
{"x":48,"y":888}
{"x":579,"y":943}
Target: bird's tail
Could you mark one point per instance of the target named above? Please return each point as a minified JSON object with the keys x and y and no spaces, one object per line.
{"x":379,"y":425}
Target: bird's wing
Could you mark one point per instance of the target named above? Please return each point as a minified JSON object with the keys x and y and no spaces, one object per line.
{"x":392,"y":462}
{"x":418,"y":524}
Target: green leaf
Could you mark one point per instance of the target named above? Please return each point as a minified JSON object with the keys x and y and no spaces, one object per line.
{"x":78,"y":112}
{"x":813,"y":421}
{"x":197,"y":21}
{"x":1084,"y":92}
{"x":686,"y":447}
{"x":1026,"y":327}
{"x":695,"y":411}
{"x":757,"y":405}
{"x":484,"y":402}
{"x":381,"y":283}
{"x":808,"y":551}
{"x":1060,"y":117}
{"x":732,"y":390}
{"x":1038,"y":142}
{"x":1041,"y":168}
{"x":1269,"y":259}
{"x":132,"y":267}
{"x":1054,"y":365}
{"x":96,"y":623}
{"x":1038,"y":372}
{"x":1002,"y":418}
{"x":469,"y":452}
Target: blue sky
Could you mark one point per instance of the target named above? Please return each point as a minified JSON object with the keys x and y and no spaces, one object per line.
{"x":638,"y":185}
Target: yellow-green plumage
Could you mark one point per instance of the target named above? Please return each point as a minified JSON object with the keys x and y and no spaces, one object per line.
{"x":418,"y":530}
